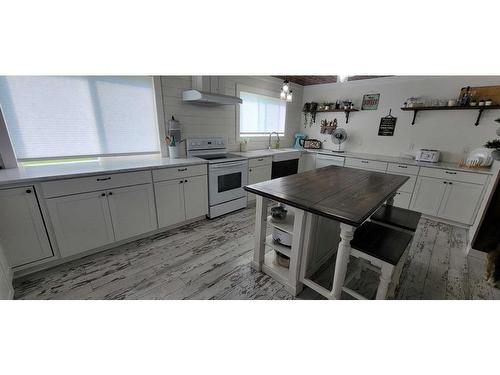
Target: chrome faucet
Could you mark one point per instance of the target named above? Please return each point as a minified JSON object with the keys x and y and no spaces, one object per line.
{"x":277,"y":141}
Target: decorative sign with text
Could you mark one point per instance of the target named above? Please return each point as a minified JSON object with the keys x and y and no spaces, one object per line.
{"x":387,"y":125}
{"x":370,"y":102}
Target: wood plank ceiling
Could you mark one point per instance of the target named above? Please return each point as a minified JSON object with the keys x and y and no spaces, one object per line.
{"x":317,"y":80}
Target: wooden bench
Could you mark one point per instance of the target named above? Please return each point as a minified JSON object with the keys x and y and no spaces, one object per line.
{"x":397,"y":218}
{"x":386,"y":249}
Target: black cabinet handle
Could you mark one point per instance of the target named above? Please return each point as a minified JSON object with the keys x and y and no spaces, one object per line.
{"x":181,"y":169}
{"x":249,"y":170}
{"x":450,"y":172}
{"x":181,"y":181}
{"x":444,"y":182}
{"x":402,"y":166}
{"x":260,"y":159}
{"x":185,"y":180}
{"x":364,"y":161}
{"x":451,"y":183}
{"x":28,"y":191}
{"x":110,"y":193}
{"x":103,"y":194}
{"x":104,"y":179}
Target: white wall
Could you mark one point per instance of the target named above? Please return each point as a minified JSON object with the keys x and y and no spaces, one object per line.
{"x":199,"y":120}
{"x":452,"y":132}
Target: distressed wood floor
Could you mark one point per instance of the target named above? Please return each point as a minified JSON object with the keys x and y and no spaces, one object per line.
{"x":210,"y":259}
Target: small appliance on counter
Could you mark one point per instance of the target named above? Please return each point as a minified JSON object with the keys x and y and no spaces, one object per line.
{"x":298,"y":138}
{"x":427,"y":155}
{"x":314,"y":144}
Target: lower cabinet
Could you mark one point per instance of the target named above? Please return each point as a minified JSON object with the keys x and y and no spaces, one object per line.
{"x":181,"y":199}
{"x":460,"y":201}
{"x":307,"y":162}
{"x":81,"y":222}
{"x":402,"y":199}
{"x":22,"y":230}
{"x":452,"y":200}
{"x":258,"y":174}
{"x":90,"y":220}
{"x":195,"y":196}
{"x":428,"y":195}
{"x":132,"y":210}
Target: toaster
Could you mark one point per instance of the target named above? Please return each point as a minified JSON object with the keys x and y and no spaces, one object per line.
{"x":430,"y":156}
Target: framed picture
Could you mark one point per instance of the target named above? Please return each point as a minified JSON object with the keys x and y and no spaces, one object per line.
{"x":370,"y":102}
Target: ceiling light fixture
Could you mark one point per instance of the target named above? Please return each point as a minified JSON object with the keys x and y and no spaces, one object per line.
{"x":342,"y":77}
{"x":286,"y":91}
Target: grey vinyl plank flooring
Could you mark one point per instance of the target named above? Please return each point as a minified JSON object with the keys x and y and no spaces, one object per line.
{"x":210,"y":260}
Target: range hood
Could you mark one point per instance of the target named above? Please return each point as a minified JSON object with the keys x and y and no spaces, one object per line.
{"x":206,"y":91}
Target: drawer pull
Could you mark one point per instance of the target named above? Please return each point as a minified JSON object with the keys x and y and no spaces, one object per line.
{"x":182,"y":169}
{"x":28,"y":191}
{"x":249,"y":170}
{"x":185,"y":180}
{"x":181,"y":181}
{"x":403,"y":166}
{"x":103,"y":194}
{"x":444,"y":182}
{"x":110,"y":193}
{"x":261,"y":159}
{"x":104,"y":179}
{"x":450,"y":172}
{"x":364,"y":161}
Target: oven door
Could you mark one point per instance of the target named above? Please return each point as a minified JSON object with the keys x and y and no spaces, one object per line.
{"x":226,"y":181}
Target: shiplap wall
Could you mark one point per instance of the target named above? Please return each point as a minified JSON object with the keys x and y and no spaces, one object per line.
{"x":200,"y":120}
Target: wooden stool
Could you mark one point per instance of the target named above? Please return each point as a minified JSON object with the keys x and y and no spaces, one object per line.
{"x":384,"y":248}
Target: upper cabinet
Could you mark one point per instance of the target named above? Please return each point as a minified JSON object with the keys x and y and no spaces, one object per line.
{"x":22,"y":230}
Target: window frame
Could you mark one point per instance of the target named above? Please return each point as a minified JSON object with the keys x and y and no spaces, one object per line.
{"x":258,"y":91}
{"x":10,"y":160}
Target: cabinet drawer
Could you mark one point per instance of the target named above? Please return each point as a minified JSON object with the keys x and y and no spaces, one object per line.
{"x":179,"y":172}
{"x":445,"y":174}
{"x":402,"y":168}
{"x":366,"y":164}
{"x":99,"y":182}
{"x":326,"y":160}
{"x":402,"y":199}
{"x":265,"y":160}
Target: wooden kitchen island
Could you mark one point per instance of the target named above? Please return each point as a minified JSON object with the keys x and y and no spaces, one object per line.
{"x":345,"y":196}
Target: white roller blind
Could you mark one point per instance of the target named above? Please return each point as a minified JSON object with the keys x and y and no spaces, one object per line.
{"x":56,"y":117}
{"x":260,"y":114}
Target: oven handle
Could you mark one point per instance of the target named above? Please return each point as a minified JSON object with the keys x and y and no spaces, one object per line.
{"x":225,"y":165}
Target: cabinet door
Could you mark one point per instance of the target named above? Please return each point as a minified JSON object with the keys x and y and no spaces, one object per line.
{"x":169,"y":197}
{"x":402,"y":199}
{"x":460,"y":201}
{"x":22,"y":231}
{"x":258,"y":174}
{"x":307,"y":162}
{"x":132,"y":210}
{"x":196,"y":196}
{"x":428,"y":195}
{"x":81,"y":222}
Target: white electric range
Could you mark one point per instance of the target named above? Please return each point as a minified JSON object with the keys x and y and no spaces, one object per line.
{"x":227,"y":174}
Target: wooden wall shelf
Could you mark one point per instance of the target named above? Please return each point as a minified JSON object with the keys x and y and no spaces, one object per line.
{"x":480,"y":110}
{"x":346,"y":111}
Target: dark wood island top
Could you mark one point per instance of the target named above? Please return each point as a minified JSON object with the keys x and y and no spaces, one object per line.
{"x":344,"y":194}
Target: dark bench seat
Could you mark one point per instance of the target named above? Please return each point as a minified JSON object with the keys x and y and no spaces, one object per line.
{"x":397,"y":217}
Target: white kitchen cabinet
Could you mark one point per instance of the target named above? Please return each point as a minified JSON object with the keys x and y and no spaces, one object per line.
{"x":169,"y":196}
{"x":22,"y":230}
{"x":326,"y":160}
{"x":460,"y":201}
{"x":195,"y":196}
{"x":180,"y":200}
{"x":402,"y":199}
{"x":258,"y":174}
{"x":428,"y":195}
{"x":307,"y":162}
{"x":81,"y":222}
{"x":132,"y":210}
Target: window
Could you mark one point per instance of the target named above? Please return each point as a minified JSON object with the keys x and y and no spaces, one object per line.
{"x":61,"y":117}
{"x":261,"y":114}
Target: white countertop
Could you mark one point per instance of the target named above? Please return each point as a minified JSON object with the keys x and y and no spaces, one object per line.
{"x":80,"y":169}
{"x":385,"y":158}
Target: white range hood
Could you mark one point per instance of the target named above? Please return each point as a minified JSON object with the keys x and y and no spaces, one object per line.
{"x":206,"y":91}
